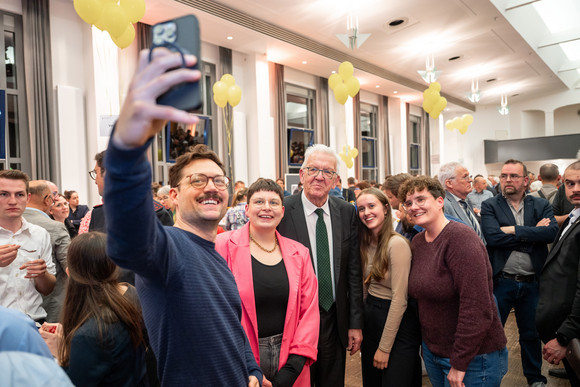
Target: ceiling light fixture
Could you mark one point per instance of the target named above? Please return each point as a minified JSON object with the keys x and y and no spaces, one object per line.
{"x":304,"y":62}
{"x":430,"y":74}
{"x":504,"y":109}
{"x":475,"y":94}
{"x":352,"y":39}
{"x":229,"y":37}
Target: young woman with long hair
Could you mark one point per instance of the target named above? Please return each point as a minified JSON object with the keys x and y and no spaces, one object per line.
{"x":100,"y":338}
{"x":390,"y":349}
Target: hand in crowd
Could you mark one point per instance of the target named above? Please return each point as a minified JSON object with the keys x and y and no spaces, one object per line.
{"x":354,"y":340}
{"x":254,"y":382}
{"x":381,"y":360}
{"x":141,"y":117}
{"x":508,"y":229}
{"x":52,"y":335}
{"x":455,"y":378}
{"x":266,"y":382}
{"x":543,"y":223}
{"x":554,"y":352}
{"x":476,"y":210}
{"x":8,"y":254}
{"x":35,"y":268}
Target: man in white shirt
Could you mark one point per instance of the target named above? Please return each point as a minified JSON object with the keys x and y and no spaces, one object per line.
{"x":26,"y":267}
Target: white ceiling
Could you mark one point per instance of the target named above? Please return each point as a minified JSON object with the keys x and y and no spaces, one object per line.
{"x":485,"y":34}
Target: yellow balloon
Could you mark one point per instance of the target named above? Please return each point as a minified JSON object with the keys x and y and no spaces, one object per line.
{"x":449,"y":125}
{"x":346,"y":70}
{"x":100,"y":24}
{"x":89,"y":10}
{"x":228,"y":79}
{"x":221,"y":89}
{"x":349,"y":164}
{"x":467,"y":119}
{"x":436,"y":86}
{"x":352,"y":86}
{"x":340,"y":93}
{"x":334,"y":80}
{"x":115,"y":19}
{"x":219,"y":100}
{"x":463,"y":129}
{"x":438,"y":107}
{"x":126,"y":38}
{"x":134,"y":9}
{"x":353,"y":153}
{"x":234,"y":95}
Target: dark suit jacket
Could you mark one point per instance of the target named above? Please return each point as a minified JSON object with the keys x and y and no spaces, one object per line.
{"x":559,"y":302}
{"x":347,"y":264}
{"x":496,"y":213}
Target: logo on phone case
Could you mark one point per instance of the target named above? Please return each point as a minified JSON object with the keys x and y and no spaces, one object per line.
{"x":164,"y":33}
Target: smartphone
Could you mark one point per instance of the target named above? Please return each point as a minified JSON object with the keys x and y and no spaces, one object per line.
{"x":180,"y":35}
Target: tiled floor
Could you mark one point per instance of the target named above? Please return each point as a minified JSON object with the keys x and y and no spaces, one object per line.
{"x":514,"y":377}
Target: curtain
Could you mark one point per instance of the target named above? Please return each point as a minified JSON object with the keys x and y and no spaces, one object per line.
{"x":383,"y":128}
{"x":322,"y":119}
{"x":39,"y":90}
{"x":280,"y":119}
{"x":143,"y":34}
{"x":357,"y":136}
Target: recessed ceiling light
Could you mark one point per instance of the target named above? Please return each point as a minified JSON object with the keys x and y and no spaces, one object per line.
{"x":377,"y":86}
{"x":515,"y":95}
{"x":304,"y":62}
{"x":334,"y":71}
{"x":492,"y":80}
{"x":229,"y":37}
{"x":454,"y":58}
{"x":396,"y":22}
{"x":395,"y":92}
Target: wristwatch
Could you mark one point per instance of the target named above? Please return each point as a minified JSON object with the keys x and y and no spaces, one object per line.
{"x":562,"y":339}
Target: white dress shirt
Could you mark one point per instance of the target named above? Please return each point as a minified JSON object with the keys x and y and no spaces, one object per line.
{"x":311,"y":218}
{"x":17,"y":292}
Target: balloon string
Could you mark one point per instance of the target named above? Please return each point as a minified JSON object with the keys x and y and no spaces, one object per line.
{"x":229,"y":126}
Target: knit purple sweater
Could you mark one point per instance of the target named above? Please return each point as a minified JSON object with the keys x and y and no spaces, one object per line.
{"x":452,"y":282}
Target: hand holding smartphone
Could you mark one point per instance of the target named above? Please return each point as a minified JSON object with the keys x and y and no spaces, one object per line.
{"x":180,"y":35}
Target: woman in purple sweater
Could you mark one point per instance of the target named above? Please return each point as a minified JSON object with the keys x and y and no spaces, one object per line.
{"x":463,"y":340}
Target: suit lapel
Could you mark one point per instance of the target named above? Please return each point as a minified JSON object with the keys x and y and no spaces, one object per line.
{"x":458,"y":210}
{"x":299,"y":221}
{"x":337,"y":230}
{"x":503,"y":204}
{"x":528,"y":211}
{"x":559,"y":241}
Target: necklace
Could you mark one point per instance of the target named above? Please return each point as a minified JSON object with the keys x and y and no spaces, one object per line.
{"x":262,"y":248}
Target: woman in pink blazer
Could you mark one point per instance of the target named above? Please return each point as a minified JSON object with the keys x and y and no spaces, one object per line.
{"x":278,"y":289}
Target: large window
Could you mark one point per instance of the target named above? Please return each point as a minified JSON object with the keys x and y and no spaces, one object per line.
{"x":368,"y":128}
{"x":414,"y":140}
{"x":178,"y":138}
{"x":13,"y":121}
{"x":300,"y":119}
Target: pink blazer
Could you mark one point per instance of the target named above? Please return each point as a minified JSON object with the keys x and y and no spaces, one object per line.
{"x":302,"y":321}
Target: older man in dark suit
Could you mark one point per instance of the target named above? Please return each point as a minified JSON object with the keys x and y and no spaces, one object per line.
{"x":328,"y":227}
{"x":518,"y":228}
{"x":558,"y":313}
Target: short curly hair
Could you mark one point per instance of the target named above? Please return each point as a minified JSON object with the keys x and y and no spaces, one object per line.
{"x":420,"y":183}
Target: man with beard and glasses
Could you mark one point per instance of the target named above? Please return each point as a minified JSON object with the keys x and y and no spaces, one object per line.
{"x":559,"y":303}
{"x":518,"y":228}
{"x":190,"y":301}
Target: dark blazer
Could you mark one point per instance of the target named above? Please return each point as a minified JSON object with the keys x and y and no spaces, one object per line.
{"x":559,"y":302}
{"x":347,"y":264}
{"x":496,"y":213}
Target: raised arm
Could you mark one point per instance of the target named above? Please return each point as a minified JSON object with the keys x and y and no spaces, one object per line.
{"x":133,"y":231}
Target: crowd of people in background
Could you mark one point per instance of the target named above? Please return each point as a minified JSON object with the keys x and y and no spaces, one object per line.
{"x":146,"y":288}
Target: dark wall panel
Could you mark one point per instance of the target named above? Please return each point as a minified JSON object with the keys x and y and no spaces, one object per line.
{"x":535,"y":148}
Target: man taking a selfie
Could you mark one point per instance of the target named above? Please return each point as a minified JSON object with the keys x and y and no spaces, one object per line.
{"x":189,"y":297}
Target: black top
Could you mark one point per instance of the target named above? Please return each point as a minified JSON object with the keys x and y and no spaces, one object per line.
{"x":271,"y":291}
{"x":77,"y":215}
